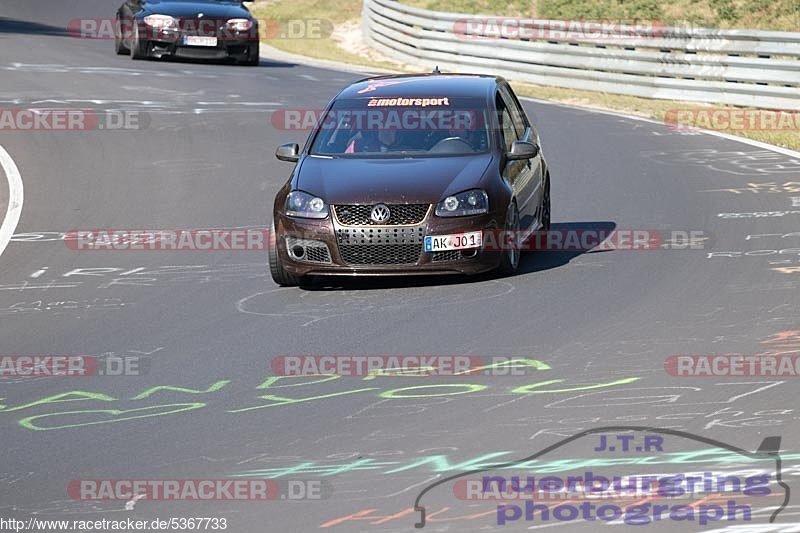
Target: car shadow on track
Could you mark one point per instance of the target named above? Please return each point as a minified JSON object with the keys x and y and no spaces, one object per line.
{"x":536,"y":261}
{"x":530,"y":262}
{"x":26,"y":27}
{"x":197,"y":61}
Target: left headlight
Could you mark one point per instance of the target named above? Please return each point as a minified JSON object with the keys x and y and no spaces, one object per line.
{"x":474,"y":202}
{"x":240,"y":24}
{"x":303,"y":205}
{"x":164,"y":22}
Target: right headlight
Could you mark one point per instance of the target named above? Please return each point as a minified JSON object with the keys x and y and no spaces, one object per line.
{"x":303,"y":205}
{"x":162,"y":22}
{"x":467,"y":203}
{"x":239,"y":24}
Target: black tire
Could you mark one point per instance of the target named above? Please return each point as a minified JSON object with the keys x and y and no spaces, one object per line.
{"x":546,"y":205}
{"x":252,"y":60}
{"x":119,"y":48}
{"x":509,"y":263}
{"x":136,"y":45}
{"x":279,"y":274}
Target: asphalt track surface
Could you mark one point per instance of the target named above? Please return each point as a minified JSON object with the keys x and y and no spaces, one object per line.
{"x":209,"y":323}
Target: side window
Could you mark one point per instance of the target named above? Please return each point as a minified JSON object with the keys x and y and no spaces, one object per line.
{"x":506,"y":124}
{"x":517,"y":114}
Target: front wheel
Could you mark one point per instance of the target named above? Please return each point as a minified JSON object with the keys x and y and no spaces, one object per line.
{"x":276,"y":269}
{"x":545,"y":217}
{"x":252,"y":58}
{"x":509,"y":263}
{"x":136,"y":45}
{"x":119,"y":48}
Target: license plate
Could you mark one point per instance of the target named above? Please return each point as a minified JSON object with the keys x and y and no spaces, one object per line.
{"x":199,"y":40}
{"x":460,"y":241}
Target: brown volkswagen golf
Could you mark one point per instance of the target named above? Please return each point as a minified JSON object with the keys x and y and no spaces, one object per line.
{"x":414,"y":174}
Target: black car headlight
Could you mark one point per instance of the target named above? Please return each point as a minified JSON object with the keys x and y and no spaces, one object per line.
{"x":303,"y":205}
{"x":474,"y":202}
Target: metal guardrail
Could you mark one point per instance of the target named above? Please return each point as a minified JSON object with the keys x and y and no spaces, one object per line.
{"x":735,"y":67}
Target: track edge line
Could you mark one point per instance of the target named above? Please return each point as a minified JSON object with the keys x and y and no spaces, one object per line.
{"x":15,"y":198}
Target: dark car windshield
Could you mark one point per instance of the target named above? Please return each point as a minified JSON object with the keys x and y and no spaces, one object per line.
{"x":403,"y":127}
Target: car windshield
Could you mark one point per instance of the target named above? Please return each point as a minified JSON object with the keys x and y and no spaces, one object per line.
{"x":403,"y":127}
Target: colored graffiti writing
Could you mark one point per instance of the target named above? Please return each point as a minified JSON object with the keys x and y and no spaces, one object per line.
{"x":82,"y":408}
{"x":442,"y":464}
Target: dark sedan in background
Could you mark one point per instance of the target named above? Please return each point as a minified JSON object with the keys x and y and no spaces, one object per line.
{"x":195,"y":29}
{"x":411,"y":174}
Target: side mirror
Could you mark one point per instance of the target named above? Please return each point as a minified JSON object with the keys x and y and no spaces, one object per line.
{"x":522,"y":150}
{"x":288,"y":152}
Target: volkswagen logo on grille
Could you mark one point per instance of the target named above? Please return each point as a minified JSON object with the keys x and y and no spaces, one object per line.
{"x":380,"y":213}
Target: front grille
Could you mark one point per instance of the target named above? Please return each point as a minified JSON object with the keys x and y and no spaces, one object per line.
{"x":380,"y":246}
{"x":203,"y":27}
{"x":449,"y":255}
{"x":318,"y":254}
{"x":380,"y":254}
{"x":401,"y":214}
{"x":383,"y":235}
{"x":200,"y":53}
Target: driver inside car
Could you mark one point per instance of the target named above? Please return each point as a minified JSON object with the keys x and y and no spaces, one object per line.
{"x":386,"y":140}
{"x":463,"y":129}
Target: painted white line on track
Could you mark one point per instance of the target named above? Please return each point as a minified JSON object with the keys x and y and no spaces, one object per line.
{"x":15,"y":196}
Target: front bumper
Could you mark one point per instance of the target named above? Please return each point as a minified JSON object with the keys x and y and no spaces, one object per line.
{"x":172,"y":43}
{"x":375,"y":250}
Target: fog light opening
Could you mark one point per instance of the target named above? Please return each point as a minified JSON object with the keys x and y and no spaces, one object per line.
{"x":298,"y":251}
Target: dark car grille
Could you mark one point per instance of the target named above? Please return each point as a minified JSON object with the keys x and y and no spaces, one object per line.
{"x":401,"y":214}
{"x":318,"y":254}
{"x":382,"y":254}
{"x":449,"y":255}
{"x":380,"y":246}
{"x":202,"y":27}
{"x":201,"y":53}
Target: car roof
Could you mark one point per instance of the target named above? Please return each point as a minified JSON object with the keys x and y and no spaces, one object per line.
{"x":423,"y":85}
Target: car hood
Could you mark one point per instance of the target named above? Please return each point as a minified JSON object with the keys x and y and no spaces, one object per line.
{"x":412,"y":180}
{"x":210,"y":10}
